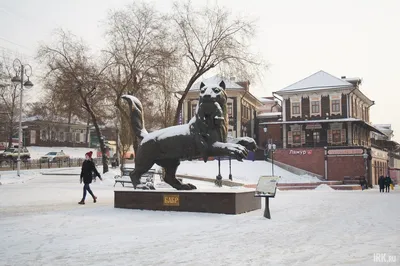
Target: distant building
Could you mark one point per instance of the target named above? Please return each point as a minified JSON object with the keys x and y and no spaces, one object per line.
{"x":386,"y":144}
{"x":326,"y":128}
{"x":270,"y":111}
{"x":38,"y":132}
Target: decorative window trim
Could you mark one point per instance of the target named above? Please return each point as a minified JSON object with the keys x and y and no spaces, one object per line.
{"x":333,"y":97}
{"x":342,"y":132}
{"x":299,"y":130}
{"x":292,"y":101}
{"x":315,"y":98}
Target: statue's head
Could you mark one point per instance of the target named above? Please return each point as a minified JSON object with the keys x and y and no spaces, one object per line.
{"x":213,"y":93}
{"x":213,"y":107}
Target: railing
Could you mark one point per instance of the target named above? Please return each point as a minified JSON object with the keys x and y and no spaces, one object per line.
{"x":40,"y":164}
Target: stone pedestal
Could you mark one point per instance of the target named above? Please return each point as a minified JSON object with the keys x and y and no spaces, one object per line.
{"x":215,"y":201}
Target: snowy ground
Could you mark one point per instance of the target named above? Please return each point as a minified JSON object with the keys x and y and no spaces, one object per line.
{"x":36,"y":152}
{"x":243,"y":172}
{"x":42,"y":224}
{"x":246,"y":171}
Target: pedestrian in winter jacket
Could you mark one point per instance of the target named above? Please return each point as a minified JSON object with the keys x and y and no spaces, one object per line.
{"x":381,"y":183}
{"x":388,"y":181}
{"x":88,"y":167}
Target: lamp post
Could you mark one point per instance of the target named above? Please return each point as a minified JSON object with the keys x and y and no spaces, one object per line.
{"x":365,"y":156}
{"x":272,"y":148}
{"x":218,"y":180}
{"x":21,"y":71}
{"x":266,"y":145}
{"x":230,"y":169}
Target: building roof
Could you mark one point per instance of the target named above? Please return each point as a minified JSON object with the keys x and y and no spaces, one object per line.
{"x":229,"y":84}
{"x":317,"y":81}
{"x":266,"y":100}
{"x":269,"y":114}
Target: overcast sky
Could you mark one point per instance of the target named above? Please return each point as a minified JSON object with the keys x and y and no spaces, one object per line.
{"x":353,"y":38}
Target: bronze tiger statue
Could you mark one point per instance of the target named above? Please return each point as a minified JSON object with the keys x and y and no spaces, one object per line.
{"x":205,"y":135}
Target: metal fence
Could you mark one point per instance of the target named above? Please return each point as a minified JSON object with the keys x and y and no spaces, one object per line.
{"x":40,"y":164}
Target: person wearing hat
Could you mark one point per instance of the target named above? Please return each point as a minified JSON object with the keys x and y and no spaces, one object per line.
{"x":88,"y":167}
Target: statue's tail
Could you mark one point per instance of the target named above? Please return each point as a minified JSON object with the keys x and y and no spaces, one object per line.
{"x":137,"y":121}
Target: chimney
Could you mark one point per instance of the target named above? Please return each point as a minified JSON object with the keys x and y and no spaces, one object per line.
{"x":343,"y":77}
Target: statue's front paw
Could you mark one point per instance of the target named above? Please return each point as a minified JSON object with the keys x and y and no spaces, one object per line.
{"x":187,"y":186}
{"x":249,"y":143}
{"x":238,"y":151}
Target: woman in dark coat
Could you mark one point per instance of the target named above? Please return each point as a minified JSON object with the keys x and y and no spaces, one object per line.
{"x":381,"y":183}
{"x":88,"y":167}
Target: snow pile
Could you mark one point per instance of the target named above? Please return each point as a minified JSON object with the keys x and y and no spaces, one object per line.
{"x":11,"y":177}
{"x":324,"y":187}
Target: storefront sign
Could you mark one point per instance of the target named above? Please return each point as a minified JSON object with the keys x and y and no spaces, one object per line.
{"x":378,"y":154}
{"x":300,"y":152}
{"x":313,"y":126}
{"x":346,"y":152}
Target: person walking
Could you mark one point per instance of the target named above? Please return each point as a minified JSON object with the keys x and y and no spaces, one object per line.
{"x":88,"y":167}
{"x":381,"y":183}
{"x":388,"y":181}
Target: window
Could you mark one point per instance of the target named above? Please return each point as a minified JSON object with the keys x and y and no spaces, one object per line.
{"x":61,"y":136}
{"x":296,"y":136}
{"x":230,"y":110}
{"x":193,"y":109}
{"x":316,"y":137}
{"x":295,"y":108}
{"x":335,"y":106}
{"x":315,"y":107}
{"x":43,"y":135}
{"x":336,"y":136}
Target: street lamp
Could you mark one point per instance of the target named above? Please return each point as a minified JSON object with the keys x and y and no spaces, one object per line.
{"x":218,"y":180}
{"x":365,"y":156}
{"x":272,"y":148}
{"x":20,"y":72}
{"x":266,"y":143}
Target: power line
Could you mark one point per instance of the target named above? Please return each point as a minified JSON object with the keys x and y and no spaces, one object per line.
{"x":23,"y":46}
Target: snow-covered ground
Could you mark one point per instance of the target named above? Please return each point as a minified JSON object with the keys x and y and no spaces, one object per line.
{"x":246,"y":171}
{"x":42,"y":224}
{"x":36,"y":152}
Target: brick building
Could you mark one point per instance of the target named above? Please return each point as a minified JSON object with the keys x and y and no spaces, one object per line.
{"x":392,"y":149}
{"x":326,"y":129}
{"x":271,"y":111}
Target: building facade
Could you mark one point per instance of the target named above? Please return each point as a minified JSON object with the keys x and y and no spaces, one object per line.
{"x":271,"y":111}
{"x":37,"y":132}
{"x":241,"y":106}
{"x":390,"y":148}
{"x":326,"y":128}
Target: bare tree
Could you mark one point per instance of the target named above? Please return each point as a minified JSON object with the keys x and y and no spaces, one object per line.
{"x":212,"y":37}
{"x":125,"y":137}
{"x":135,"y":35}
{"x":68,"y":61}
{"x":9,"y":95}
{"x":166,"y":86}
